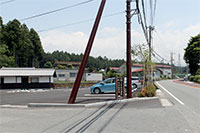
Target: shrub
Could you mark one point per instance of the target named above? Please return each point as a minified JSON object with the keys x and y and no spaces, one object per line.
{"x":198,"y":72}
{"x":191,"y":78}
{"x":198,"y":81}
{"x":196,"y":78}
{"x":148,"y":91}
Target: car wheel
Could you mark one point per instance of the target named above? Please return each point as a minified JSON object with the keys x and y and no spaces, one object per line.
{"x":97,"y":91}
{"x":134,"y":86}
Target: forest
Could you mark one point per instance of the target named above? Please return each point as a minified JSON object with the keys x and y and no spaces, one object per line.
{"x":22,"y":47}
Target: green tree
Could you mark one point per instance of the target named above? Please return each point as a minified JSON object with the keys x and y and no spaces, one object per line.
{"x":25,"y":47}
{"x":192,"y":54}
{"x":37,"y":48}
{"x":11,"y":37}
{"x":4,"y":59}
{"x":48,"y":65}
{"x":22,"y":44}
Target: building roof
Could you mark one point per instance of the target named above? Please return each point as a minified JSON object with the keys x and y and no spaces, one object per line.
{"x":68,"y":62}
{"x":161,"y":66}
{"x":5,"y":72}
{"x":114,"y":68}
{"x":138,"y":70}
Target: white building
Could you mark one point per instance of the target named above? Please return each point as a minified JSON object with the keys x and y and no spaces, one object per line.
{"x":159,"y":72}
{"x":12,"y":78}
{"x":71,"y":74}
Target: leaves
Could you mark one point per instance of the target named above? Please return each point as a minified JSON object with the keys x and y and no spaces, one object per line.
{"x":23,"y":46}
{"x":192,"y":54}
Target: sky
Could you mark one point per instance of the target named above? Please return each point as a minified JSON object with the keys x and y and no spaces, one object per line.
{"x":176,"y":21}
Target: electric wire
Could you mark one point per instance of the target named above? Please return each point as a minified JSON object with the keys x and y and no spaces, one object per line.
{"x":5,"y":2}
{"x":154,"y":12}
{"x":80,"y":22}
{"x":161,"y":40}
{"x":151,"y":12}
{"x":56,"y":10}
{"x":159,"y":55}
{"x":141,"y":21}
{"x":144,"y":14}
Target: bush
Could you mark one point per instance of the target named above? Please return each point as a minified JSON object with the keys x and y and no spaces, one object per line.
{"x":148,"y":91}
{"x":191,"y":78}
{"x":196,"y":78}
{"x":198,"y":72}
{"x":198,"y":81}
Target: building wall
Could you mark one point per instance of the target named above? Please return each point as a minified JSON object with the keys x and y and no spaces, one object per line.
{"x":44,"y":79}
{"x":94,"y":77}
{"x":9,"y":79}
{"x":167,"y":72}
{"x":32,"y":82}
{"x":66,"y":75}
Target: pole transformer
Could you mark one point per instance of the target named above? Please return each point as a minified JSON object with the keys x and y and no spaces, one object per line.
{"x":86,"y":54}
{"x":128,"y":39}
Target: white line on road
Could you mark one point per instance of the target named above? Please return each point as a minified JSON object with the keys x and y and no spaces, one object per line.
{"x":170,"y":94}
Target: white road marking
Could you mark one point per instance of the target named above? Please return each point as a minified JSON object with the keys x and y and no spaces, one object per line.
{"x":171,"y":94}
{"x":13,"y":106}
{"x":165,"y":102}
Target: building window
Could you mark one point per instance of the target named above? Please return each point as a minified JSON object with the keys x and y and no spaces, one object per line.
{"x":72,"y":75}
{"x":19,"y":79}
{"x":61,"y":75}
{"x":34,"y":79}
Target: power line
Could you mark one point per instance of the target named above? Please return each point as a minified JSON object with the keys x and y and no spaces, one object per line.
{"x":162,"y":42}
{"x":141,"y":21}
{"x":159,"y":55}
{"x":154,"y":12}
{"x":5,"y":2}
{"x":144,"y":14}
{"x":79,"y":22}
{"x":56,"y":10}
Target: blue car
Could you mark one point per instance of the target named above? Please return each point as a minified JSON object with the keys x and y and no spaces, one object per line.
{"x":107,"y":85}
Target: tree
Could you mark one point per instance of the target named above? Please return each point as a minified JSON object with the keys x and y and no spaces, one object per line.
{"x":22,"y":44}
{"x":37,"y":47}
{"x":192,"y":54}
{"x":141,"y":54}
{"x":4,"y":59}
{"x":48,"y":65}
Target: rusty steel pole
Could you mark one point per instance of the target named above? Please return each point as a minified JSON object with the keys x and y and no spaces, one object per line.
{"x":128,"y":65}
{"x":86,"y":54}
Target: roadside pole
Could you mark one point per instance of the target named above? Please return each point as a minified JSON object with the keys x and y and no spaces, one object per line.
{"x":86,"y":54}
{"x":128,"y":39}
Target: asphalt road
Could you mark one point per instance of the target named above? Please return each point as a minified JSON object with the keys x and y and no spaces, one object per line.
{"x":146,"y":116}
{"x":17,"y":97}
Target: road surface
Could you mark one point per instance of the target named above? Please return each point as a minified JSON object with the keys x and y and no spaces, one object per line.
{"x":146,"y":116}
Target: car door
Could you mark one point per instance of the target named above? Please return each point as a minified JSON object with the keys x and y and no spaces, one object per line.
{"x":109,"y":85}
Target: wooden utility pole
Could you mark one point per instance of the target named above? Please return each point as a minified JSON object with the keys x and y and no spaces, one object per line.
{"x":86,"y":54}
{"x":128,"y":42}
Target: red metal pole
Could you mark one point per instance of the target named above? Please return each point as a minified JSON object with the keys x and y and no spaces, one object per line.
{"x":128,"y":65}
{"x":86,"y":54}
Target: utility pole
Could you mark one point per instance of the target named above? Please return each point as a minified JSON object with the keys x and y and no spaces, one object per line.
{"x":172,"y":65}
{"x":179,"y":62}
{"x":149,"y":65}
{"x":128,"y":39}
{"x":86,"y":54}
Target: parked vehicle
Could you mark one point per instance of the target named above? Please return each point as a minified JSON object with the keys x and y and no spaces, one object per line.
{"x":108,"y":85}
{"x":135,"y":82}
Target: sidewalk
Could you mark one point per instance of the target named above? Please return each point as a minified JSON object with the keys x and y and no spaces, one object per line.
{"x":188,"y":83}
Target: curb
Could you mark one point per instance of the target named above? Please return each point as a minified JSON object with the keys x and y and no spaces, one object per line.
{"x":90,"y":104}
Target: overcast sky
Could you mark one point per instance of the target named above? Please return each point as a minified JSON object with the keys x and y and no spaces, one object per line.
{"x":175,"y":22}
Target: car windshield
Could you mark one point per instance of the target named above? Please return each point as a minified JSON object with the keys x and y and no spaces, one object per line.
{"x":108,"y":81}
